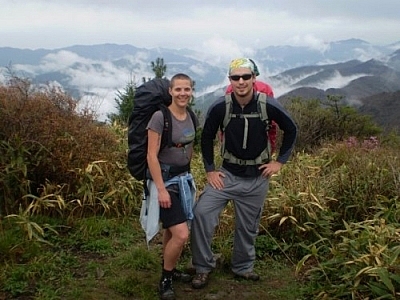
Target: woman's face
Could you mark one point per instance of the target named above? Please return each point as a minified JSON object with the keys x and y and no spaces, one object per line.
{"x":181,"y":92}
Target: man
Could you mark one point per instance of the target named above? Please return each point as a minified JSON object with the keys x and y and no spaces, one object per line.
{"x":265,"y":88}
{"x":171,"y":180}
{"x":244,"y":175}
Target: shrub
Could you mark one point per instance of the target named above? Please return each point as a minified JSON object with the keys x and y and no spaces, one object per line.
{"x":331,"y":121}
{"x":43,"y":140}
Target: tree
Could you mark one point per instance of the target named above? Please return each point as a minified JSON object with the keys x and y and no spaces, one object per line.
{"x":125,"y":101}
{"x":159,"y":68}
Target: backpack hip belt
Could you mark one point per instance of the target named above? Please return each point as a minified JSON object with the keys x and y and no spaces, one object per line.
{"x":263,"y":158}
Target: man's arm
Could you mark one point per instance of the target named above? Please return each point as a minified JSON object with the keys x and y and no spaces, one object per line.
{"x":276,"y":112}
{"x":212,"y":123}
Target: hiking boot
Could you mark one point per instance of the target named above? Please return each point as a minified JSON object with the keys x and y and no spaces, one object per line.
{"x":248,"y":276}
{"x":166,"y":290}
{"x":181,"y":276}
{"x":200,"y":280}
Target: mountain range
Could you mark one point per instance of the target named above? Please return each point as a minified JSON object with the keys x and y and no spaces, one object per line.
{"x":364,"y":75}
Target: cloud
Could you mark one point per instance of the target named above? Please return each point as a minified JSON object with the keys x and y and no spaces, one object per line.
{"x":213,"y":48}
{"x":337,"y":81}
{"x":198,"y":69}
{"x":61,"y":60}
{"x":97,"y":80}
{"x":309,"y":41}
{"x":101,"y":102}
{"x":236,"y":25}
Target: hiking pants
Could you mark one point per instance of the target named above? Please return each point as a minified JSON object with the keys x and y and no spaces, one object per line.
{"x":248,"y":196}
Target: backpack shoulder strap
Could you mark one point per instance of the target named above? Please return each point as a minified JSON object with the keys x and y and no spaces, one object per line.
{"x":192,"y":116}
{"x":262,"y":107}
{"x":228,"y":110}
{"x":166,"y":136}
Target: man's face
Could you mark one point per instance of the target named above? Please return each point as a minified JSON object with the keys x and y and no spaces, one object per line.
{"x":242,"y":81}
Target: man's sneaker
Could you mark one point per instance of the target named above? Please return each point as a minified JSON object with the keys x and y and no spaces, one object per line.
{"x":178,"y":275}
{"x":200,"y":280}
{"x":166,"y":290}
{"x":248,"y":276}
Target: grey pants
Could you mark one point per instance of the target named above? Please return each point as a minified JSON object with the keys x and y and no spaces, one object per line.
{"x":248,"y":196}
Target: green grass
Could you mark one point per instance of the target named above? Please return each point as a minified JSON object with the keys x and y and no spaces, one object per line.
{"x":100,"y":258}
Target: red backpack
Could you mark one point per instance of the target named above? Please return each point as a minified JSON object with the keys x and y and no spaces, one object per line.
{"x":262,"y":87}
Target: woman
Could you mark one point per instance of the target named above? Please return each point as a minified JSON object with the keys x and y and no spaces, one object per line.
{"x":170,"y":172}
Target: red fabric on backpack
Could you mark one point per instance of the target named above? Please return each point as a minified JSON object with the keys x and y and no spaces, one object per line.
{"x":259,"y":86}
{"x":263,"y":87}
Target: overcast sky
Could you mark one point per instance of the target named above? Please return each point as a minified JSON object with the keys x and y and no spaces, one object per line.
{"x":213,"y":26}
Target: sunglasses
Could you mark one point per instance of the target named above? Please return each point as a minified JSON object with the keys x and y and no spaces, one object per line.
{"x":244,"y":77}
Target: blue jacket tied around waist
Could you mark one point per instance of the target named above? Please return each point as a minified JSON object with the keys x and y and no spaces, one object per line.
{"x":150,"y":211}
